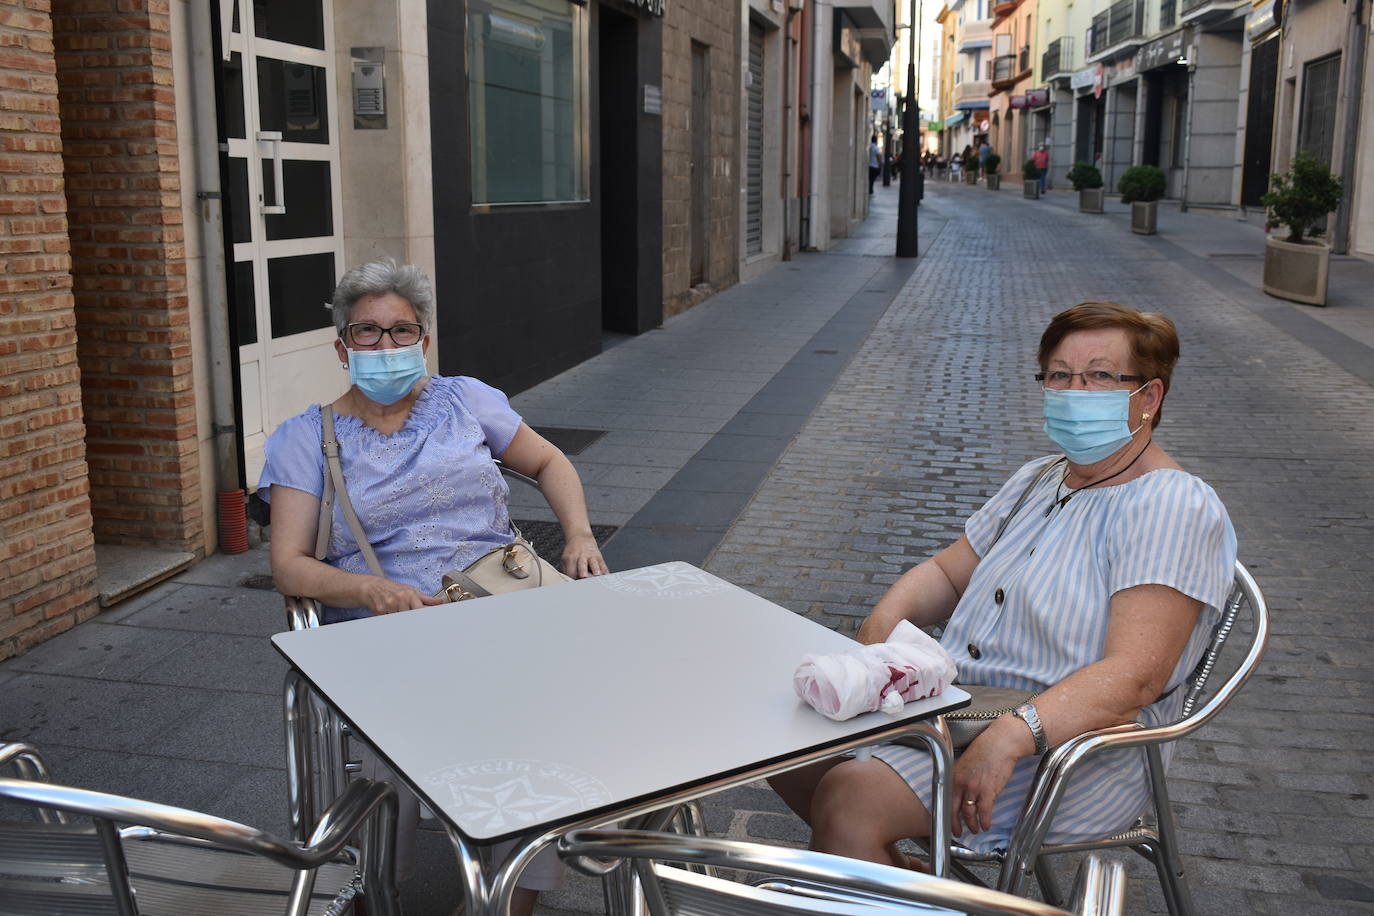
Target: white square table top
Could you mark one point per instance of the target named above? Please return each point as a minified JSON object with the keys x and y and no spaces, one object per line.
{"x":520,"y":712}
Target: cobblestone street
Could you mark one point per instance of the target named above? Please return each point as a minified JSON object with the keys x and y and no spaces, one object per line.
{"x":809,"y":435}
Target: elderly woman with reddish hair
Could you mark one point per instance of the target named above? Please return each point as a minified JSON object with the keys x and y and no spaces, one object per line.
{"x":1100,"y":594}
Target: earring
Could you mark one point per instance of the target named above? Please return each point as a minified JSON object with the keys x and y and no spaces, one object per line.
{"x":343,"y":365}
{"x":1144,"y":416}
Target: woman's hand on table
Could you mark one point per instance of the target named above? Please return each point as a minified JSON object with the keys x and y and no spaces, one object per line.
{"x":582,"y":557}
{"x":980,"y":774}
{"x":383,"y":596}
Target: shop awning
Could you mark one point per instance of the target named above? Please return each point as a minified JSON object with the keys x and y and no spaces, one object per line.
{"x":955,"y":118}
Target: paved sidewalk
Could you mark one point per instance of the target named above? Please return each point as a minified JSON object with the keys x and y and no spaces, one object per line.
{"x":810,"y":434}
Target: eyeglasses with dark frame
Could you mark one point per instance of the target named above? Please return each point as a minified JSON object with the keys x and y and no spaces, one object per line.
{"x":1095,"y":379}
{"x":367,"y":334}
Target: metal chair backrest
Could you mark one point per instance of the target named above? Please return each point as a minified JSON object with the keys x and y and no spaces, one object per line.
{"x":91,"y":860}
{"x":1202,"y":702}
{"x":1245,"y":595}
{"x":817,"y":882}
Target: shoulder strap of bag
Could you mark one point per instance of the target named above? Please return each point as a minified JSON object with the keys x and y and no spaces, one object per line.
{"x":1025,"y":494}
{"x":334,"y":487}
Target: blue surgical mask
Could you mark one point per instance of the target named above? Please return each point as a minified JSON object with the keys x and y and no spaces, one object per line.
{"x":1088,"y":425}
{"x":386,"y":376}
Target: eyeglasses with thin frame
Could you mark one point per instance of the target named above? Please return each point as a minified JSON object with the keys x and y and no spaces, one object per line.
{"x":1094,"y":379}
{"x":367,"y":334}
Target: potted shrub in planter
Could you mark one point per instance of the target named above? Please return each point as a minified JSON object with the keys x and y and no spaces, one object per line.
{"x":971,"y":169}
{"x":994,"y":181}
{"x":1030,"y":185}
{"x":1300,"y":198}
{"x":1142,"y":186}
{"x":1087,"y":181}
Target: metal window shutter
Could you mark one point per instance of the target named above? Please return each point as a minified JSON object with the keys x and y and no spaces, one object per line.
{"x":753,"y":217}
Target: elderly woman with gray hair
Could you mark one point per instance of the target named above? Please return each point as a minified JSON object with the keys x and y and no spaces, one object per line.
{"x":417,"y":455}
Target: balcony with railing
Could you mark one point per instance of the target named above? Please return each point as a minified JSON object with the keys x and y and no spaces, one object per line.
{"x":1057,"y":59}
{"x":1006,"y":70}
{"x":1119,"y":27}
{"x":1003,"y":70}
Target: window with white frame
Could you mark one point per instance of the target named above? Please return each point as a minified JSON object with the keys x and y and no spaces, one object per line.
{"x":527,"y":101}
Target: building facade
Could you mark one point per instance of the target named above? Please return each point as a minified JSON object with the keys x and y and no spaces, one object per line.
{"x":973,"y":46}
{"x":1013,"y":31}
{"x":185,"y":181}
{"x":701,"y":77}
{"x":1218,"y":93}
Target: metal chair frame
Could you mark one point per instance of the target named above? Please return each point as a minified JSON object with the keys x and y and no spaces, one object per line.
{"x":1026,"y":851}
{"x":802,"y":881}
{"x":67,"y":861}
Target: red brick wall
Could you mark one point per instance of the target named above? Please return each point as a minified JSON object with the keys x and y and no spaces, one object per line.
{"x":114,"y":65}
{"x":47,"y":555}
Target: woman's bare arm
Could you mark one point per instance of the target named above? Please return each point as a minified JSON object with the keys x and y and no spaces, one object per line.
{"x":1149,"y":628}
{"x":925,"y":594}
{"x":534,"y":456}
{"x":295,"y":571}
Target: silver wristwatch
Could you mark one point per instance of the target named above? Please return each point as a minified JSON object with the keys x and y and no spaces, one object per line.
{"x":1026,"y":713}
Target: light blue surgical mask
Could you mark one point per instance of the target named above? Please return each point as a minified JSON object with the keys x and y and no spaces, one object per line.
{"x":386,"y":376}
{"x":1089,"y":425}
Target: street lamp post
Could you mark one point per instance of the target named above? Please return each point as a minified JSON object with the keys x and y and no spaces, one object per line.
{"x":912,"y":173}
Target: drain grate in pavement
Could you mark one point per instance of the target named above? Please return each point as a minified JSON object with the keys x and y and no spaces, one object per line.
{"x":570,"y":441}
{"x":826,"y":352}
{"x":547,"y":537}
{"x":258,"y":581}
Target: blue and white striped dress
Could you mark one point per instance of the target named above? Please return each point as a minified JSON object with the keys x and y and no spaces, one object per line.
{"x":1057,"y":573}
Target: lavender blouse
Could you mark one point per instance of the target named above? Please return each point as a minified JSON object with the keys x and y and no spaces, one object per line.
{"x":429,"y":496}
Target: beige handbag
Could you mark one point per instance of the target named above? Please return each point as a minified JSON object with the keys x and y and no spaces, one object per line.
{"x":509,"y":568}
{"x":988,"y":704}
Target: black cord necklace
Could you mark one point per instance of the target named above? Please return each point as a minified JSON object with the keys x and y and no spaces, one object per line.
{"x":1061,"y":502}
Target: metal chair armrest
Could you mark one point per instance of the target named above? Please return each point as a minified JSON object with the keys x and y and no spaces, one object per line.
{"x":26,"y":760}
{"x":1099,"y":889}
{"x":343,"y":818}
{"x":28,"y":763}
{"x":865,"y":877}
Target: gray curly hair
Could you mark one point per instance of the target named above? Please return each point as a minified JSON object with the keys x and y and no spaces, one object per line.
{"x":376,"y":278}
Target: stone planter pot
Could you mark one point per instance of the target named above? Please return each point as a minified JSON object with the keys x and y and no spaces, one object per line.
{"x":1091,"y":200}
{"x":994,"y":182}
{"x":1030,"y":188}
{"x":1296,"y":270}
{"x":1144,"y":216}
{"x":970,"y":177}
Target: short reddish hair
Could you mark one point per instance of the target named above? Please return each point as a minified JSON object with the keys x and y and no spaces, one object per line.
{"x":1153,"y":338}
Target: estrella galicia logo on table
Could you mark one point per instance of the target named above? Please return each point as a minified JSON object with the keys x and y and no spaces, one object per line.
{"x":497,"y":795}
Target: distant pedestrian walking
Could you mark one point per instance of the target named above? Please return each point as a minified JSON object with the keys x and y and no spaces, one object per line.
{"x":1041,"y":158}
{"x":875,"y":162}
{"x":984,"y":152}
{"x":956,"y":163}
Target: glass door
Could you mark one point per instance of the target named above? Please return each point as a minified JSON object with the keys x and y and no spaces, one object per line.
{"x":280,"y":171}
